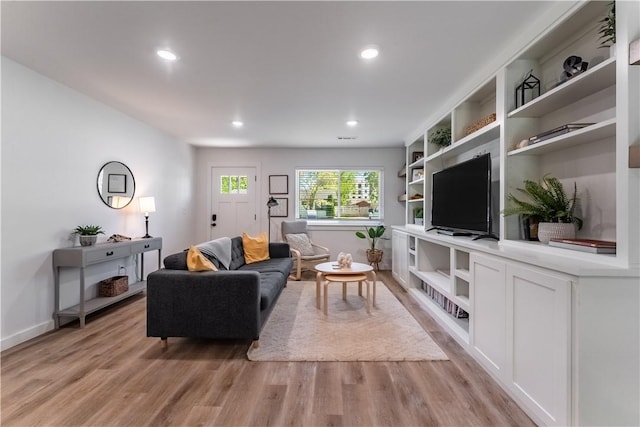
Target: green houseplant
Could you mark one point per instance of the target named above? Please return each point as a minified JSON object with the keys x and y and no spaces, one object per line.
{"x":548,"y":202}
{"x":441,"y":137}
{"x":88,"y":234}
{"x":418,"y":215}
{"x":607,"y":28}
{"x":374,"y":256}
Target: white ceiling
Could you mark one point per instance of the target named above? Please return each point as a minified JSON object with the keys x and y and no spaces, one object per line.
{"x":289,"y":70}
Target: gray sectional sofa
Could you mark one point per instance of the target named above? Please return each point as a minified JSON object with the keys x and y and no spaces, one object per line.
{"x":233,"y":303}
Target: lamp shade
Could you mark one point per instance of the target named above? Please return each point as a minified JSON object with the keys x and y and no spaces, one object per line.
{"x":272,"y":202}
{"x":147,"y":205}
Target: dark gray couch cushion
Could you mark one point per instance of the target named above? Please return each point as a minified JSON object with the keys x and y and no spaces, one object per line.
{"x":271,"y":285}
{"x":237,"y":253}
{"x":273,"y":265}
{"x":177,"y":261}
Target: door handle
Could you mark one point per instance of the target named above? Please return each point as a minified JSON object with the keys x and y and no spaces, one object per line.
{"x":214,"y":217}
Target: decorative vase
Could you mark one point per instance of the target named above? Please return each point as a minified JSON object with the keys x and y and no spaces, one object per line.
{"x":88,"y":240}
{"x":419,"y":221}
{"x":556,"y":230}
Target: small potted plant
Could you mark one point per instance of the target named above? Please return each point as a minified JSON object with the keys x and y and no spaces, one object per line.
{"x":607,"y":29}
{"x":374,"y":256}
{"x":418,"y":215}
{"x":441,"y":137}
{"x":88,"y":234}
{"x":549,"y":203}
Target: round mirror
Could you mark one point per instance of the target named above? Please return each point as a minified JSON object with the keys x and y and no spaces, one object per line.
{"x":116,"y":185}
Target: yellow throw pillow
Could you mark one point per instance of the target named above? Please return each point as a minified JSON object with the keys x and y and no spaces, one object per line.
{"x":198,"y":262}
{"x":255,"y":248}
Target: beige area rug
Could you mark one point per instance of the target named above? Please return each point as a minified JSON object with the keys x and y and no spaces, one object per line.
{"x":298,"y":331}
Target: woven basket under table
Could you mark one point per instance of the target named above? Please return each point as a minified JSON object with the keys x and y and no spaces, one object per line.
{"x":113,"y":286}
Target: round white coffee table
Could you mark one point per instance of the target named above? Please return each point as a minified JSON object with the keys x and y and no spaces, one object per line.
{"x":355,"y":273}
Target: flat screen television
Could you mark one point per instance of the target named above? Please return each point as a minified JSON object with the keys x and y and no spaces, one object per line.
{"x":461,"y":198}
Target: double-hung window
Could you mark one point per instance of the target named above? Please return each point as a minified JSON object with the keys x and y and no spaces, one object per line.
{"x":339,"y":195}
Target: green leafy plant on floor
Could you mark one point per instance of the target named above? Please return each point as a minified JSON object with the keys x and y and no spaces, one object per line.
{"x":373,"y":234}
{"x":548,"y":202}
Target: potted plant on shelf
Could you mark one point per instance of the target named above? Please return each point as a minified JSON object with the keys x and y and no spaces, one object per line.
{"x":548,"y":203}
{"x":88,"y":234}
{"x":418,"y":215}
{"x":374,"y":256}
{"x":441,"y":137}
{"x":607,"y":29}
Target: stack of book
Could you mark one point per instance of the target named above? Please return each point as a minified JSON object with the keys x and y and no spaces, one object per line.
{"x":586,"y":245}
{"x":557,"y":132}
{"x":444,"y":302}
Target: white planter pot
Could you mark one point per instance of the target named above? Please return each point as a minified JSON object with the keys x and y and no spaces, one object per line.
{"x":88,"y":240}
{"x":418,"y":221}
{"x":556,"y":230}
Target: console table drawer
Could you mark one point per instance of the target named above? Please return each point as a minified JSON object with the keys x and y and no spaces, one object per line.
{"x":105,"y":254}
{"x":146,"y":245}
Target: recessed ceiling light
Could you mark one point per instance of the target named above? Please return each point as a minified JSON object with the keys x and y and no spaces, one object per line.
{"x":352,"y":123}
{"x":167,"y":55}
{"x":237,"y":123}
{"x":369,"y":52}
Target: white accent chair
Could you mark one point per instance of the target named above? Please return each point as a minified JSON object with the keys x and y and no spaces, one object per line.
{"x":303,"y":260}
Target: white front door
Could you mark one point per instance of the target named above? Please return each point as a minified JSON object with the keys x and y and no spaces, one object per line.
{"x":233,"y":201}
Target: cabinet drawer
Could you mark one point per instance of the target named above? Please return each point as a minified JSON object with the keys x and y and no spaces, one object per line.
{"x":144,"y":246}
{"x":105,"y":254}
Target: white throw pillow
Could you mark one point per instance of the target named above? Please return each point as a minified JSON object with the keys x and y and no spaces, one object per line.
{"x":301,"y":243}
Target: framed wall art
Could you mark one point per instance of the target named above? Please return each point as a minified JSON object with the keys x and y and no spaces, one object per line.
{"x":278,"y":184}
{"x":282,"y":210}
{"x":117,"y":183}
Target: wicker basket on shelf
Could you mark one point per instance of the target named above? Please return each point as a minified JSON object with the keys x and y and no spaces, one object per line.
{"x":479,"y":124}
{"x":113,"y":286}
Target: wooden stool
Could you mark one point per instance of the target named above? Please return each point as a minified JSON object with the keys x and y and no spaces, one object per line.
{"x":344,"y":279}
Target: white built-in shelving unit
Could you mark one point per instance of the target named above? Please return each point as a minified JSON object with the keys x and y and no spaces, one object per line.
{"x":537,"y":317}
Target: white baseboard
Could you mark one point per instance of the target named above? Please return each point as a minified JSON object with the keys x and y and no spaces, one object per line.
{"x":25,"y":335}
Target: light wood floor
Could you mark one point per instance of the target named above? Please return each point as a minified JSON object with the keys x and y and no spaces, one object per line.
{"x":111,"y":374}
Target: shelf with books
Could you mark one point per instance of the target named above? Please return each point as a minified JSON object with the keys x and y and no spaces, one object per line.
{"x":435,"y":279}
{"x":594,"y":132}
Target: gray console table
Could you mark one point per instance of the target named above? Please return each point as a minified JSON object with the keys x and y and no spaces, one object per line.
{"x":82,"y":257}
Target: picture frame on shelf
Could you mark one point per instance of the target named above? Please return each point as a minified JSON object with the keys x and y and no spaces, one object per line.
{"x":282,"y":210}
{"x":417,"y":174}
{"x":417,"y":155}
{"x":278,"y":184}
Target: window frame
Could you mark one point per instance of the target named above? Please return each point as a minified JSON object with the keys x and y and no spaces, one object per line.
{"x":341,"y":222}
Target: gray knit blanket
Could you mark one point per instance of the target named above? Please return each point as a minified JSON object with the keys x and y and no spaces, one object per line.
{"x":218,"y":248}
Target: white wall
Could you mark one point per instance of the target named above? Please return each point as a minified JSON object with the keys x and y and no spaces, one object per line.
{"x":284,"y":161}
{"x":54,"y":141}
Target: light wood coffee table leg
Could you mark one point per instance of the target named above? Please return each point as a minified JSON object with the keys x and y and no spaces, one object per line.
{"x":373,"y":282}
{"x":326,"y":298}
{"x":368,"y":297}
{"x":318,"y":287}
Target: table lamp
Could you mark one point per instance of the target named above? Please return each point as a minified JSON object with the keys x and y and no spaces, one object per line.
{"x":147,"y":205}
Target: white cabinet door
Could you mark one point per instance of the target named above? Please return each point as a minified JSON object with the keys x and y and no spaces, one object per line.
{"x":399,"y":257}
{"x":488,"y":330}
{"x":539,"y":306}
